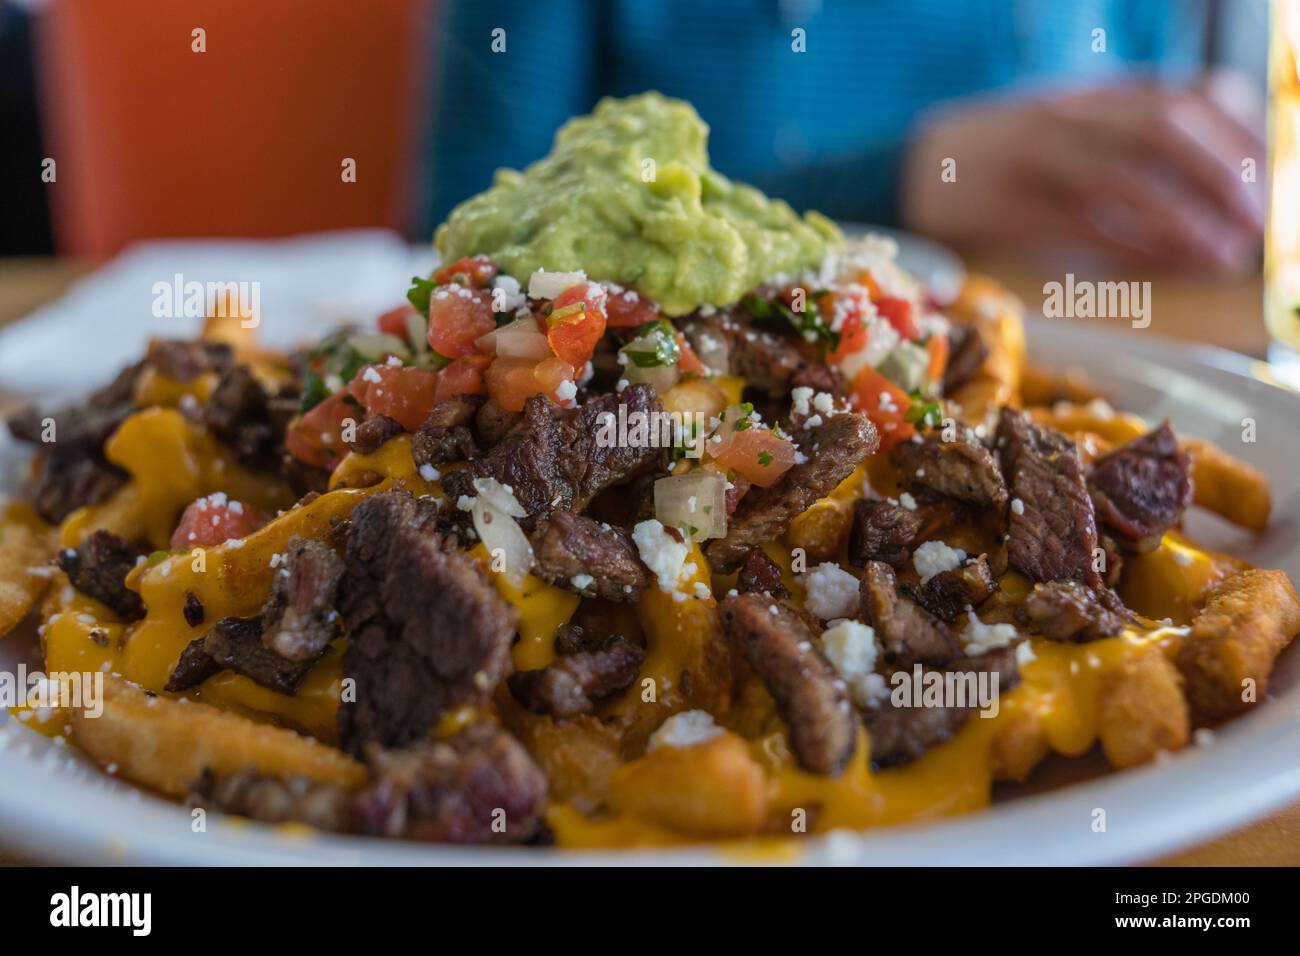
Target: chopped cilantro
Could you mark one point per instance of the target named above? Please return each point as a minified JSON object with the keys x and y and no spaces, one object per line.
{"x":419,"y":292}
{"x":314,"y":391}
{"x":656,"y":345}
{"x":764,"y":458}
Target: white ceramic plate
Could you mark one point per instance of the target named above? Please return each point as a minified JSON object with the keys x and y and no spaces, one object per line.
{"x":53,"y":807}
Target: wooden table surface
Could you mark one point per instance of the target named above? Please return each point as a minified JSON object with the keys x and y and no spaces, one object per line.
{"x":1225,"y":312}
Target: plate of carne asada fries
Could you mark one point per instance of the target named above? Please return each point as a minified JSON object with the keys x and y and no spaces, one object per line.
{"x":658,"y":518}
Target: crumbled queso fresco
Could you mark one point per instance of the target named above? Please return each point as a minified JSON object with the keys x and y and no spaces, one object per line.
{"x":686,"y":729}
{"x":832,"y":591}
{"x":850,"y":646}
{"x":663,"y":554}
{"x":933,"y":557}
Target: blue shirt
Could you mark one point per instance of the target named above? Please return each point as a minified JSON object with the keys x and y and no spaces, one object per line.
{"x":824,"y":128}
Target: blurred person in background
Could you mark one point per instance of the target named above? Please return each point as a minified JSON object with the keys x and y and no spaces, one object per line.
{"x":1097,"y":124}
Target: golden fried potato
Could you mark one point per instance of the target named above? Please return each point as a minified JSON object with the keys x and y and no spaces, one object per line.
{"x":1019,"y":745}
{"x":1228,"y":486}
{"x":577,"y":755}
{"x":1142,"y":711}
{"x":166,"y":744}
{"x":1228,"y":656}
{"x":25,"y":548}
{"x":996,"y":314}
{"x":711,"y":789}
{"x":822,"y":530}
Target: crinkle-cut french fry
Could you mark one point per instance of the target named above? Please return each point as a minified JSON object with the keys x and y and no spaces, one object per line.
{"x":714,"y":788}
{"x":24,"y":546}
{"x":1142,"y":710}
{"x":1228,"y":486}
{"x":1227,"y":658}
{"x":166,"y":744}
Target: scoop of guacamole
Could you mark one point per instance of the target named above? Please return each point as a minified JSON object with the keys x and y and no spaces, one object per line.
{"x":627,"y":196}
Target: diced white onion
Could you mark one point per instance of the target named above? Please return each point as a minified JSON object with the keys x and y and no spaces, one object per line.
{"x":494,"y":512}
{"x":660,"y":377}
{"x":697,"y":499}
{"x":547,"y":285}
{"x":519,"y":339}
{"x":375,"y":345}
{"x":713,"y":352}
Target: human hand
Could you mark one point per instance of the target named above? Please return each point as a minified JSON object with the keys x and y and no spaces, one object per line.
{"x":1143,"y":171}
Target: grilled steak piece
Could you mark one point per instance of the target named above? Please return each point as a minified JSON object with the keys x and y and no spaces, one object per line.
{"x":948,"y":594}
{"x":767,"y":359}
{"x":241,"y":413}
{"x":576,"y":682}
{"x":588,"y":557}
{"x":1053,"y":532}
{"x":554,"y":459}
{"x":820,"y":377}
{"x":235,"y":643}
{"x":194,"y":666}
{"x":833,"y":450}
{"x":187,"y":359}
{"x":967,"y":355}
{"x":75,"y":472}
{"x":493,"y":423}
{"x":446,"y":435}
{"x":900,"y":735}
{"x":760,"y":575}
{"x":1068,"y":611}
{"x":809,"y":697}
{"x":375,"y":432}
{"x":882,"y":532}
{"x":1141,"y":489}
{"x":98,"y":568}
{"x":454,"y":791}
{"x":270,"y":799}
{"x":962,"y":469}
{"x":427,"y":632}
{"x":193,"y":610}
{"x":299,"y":619}
{"x":907,"y":632}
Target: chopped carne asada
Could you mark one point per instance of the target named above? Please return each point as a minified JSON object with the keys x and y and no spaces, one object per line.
{"x":776,"y":639}
{"x":454,"y":791}
{"x":1141,"y":489}
{"x":299,"y":618}
{"x":585,"y":556}
{"x":577,"y":681}
{"x":427,"y":633}
{"x":1068,"y":611}
{"x":761,"y":575}
{"x":950,"y":593}
{"x":1053,"y":531}
{"x":882,"y":531}
{"x":962,"y":469}
{"x":908,"y":633}
{"x":98,"y":568}
{"x":447,"y":434}
{"x":375,"y":432}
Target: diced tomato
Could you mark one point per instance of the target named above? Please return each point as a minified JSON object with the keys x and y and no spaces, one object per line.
{"x":853,"y":329}
{"x":759,"y":455}
{"x":458,"y":316}
{"x":687,"y":361}
{"x":576,"y":322}
{"x":476,"y":271}
{"x":898,"y":312}
{"x":403,"y":393}
{"x":627,"y":309}
{"x":464,"y":376}
{"x":394,"y":322}
{"x":317,"y":436}
{"x":885,"y":404}
{"x":213,"y":519}
{"x":511,"y":382}
{"x":937,"y":347}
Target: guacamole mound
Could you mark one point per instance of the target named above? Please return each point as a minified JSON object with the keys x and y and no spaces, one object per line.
{"x":627,"y":196}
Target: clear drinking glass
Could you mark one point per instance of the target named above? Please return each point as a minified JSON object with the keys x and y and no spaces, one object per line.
{"x":1282,"y":240}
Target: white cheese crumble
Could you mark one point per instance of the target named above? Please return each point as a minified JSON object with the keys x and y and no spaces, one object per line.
{"x":850,"y":646}
{"x":566,"y":391}
{"x":429,"y":473}
{"x":907,"y":501}
{"x":661,"y":552}
{"x":1017,"y":506}
{"x":686,"y":729}
{"x":581,"y":581}
{"x":832,"y":591}
{"x":979,"y":637}
{"x":932,"y":557}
